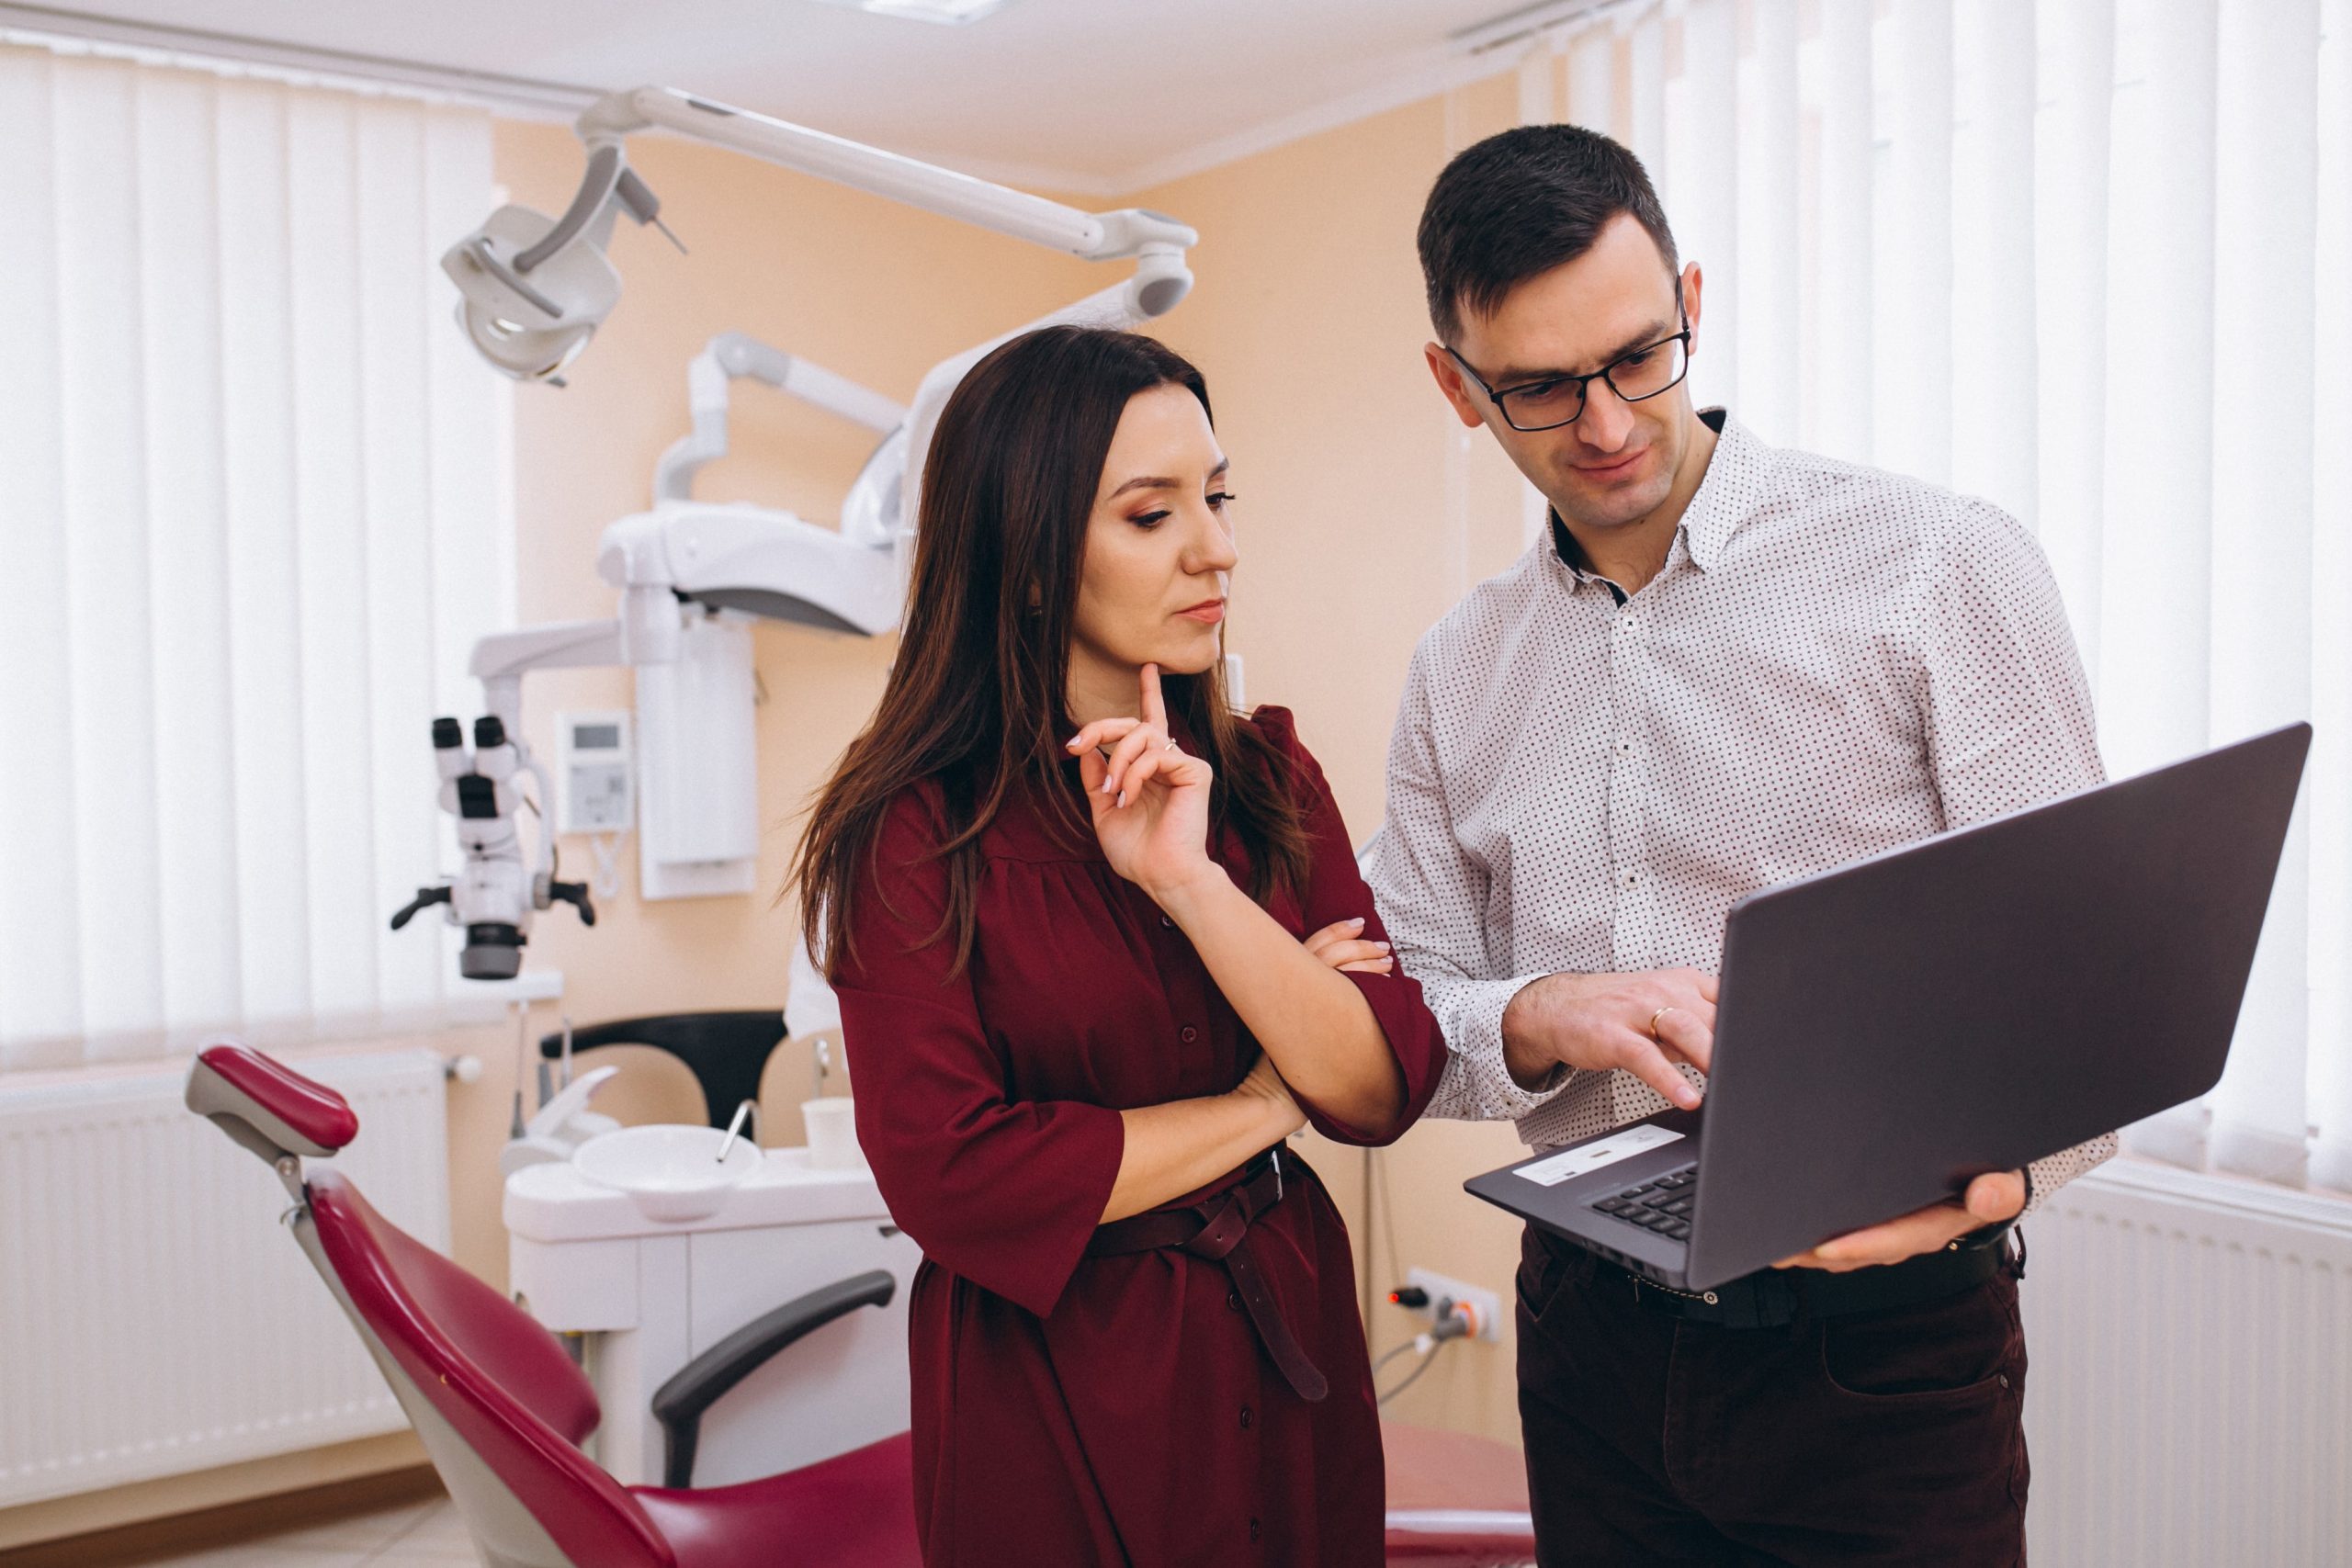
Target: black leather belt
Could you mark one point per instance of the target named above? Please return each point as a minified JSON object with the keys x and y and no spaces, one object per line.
{"x":1773,"y":1298}
{"x":1217,"y":1228}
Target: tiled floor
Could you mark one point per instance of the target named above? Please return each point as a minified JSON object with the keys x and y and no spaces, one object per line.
{"x":416,"y":1535}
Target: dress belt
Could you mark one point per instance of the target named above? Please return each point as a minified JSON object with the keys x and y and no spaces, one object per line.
{"x":1218,"y":1229}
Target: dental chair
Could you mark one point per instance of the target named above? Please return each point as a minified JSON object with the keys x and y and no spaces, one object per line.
{"x":499,"y":1406}
{"x":501,"y":1410}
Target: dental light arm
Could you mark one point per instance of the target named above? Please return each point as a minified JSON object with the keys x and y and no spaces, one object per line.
{"x":535,"y":289}
{"x":1093,"y":236}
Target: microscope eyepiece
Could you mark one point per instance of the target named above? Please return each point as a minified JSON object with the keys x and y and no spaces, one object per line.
{"x":489,"y":731}
{"x":448,"y":735}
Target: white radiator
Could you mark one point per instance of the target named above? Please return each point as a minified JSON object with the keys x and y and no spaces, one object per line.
{"x":154,"y":1316}
{"x":2188,"y":1398}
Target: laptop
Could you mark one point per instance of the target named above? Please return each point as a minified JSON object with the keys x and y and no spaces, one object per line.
{"x":1889,"y":1030}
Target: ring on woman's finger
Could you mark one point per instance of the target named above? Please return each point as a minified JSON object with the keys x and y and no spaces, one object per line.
{"x":1655,"y":1016}
{"x":1170,"y":747}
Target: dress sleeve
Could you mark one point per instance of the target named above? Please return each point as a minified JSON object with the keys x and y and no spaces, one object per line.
{"x":1335,"y":891}
{"x":1003,"y":1192}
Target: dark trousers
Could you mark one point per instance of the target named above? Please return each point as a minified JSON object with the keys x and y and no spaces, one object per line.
{"x":1882,"y":1438}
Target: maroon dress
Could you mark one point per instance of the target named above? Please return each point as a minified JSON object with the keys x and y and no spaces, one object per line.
{"x":1116,"y":1409}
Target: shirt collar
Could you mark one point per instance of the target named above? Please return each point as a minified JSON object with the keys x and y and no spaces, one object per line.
{"x":1725,"y":496}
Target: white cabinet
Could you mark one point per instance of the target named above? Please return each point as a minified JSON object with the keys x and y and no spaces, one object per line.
{"x":648,"y":1297}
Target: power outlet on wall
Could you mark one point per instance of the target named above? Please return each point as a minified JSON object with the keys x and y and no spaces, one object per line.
{"x":1486,"y":1306}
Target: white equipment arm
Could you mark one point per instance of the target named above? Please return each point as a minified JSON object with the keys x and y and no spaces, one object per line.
{"x":1095,"y":236}
{"x":1119,"y":307}
{"x":501,"y":660}
{"x":732,"y":355}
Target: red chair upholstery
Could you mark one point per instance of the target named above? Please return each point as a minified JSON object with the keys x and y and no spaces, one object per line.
{"x":1455,"y":1500}
{"x":266,"y":1106}
{"x":471,"y":1366}
{"x":503,"y":1409}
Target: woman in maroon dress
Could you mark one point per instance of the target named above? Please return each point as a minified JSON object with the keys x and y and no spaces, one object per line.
{"x":1065,"y":895}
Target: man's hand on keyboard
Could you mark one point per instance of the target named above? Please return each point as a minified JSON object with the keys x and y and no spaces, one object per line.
{"x":1643,"y":1023}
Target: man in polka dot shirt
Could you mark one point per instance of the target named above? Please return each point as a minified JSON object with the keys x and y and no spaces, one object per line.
{"x":1728,"y":665}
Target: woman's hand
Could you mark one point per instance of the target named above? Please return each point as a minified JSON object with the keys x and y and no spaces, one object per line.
{"x":1149,"y":798}
{"x":1183,"y":1144}
{"x":1341,"y":946}
{"x":1265,"y":1085}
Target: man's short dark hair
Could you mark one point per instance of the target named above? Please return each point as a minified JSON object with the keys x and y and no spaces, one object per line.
{"x":1520,"y":203}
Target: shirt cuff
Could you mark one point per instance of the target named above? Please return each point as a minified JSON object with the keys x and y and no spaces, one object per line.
{"x":1477,"y":1086}
{"x":2046,"y":1175}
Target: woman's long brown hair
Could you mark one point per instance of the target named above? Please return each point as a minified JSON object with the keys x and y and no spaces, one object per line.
{"x":975,"y":697}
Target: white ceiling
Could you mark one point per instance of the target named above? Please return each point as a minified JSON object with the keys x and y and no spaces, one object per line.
{"x":1098,"y":95}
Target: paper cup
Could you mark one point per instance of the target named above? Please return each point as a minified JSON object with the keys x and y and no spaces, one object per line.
{"x":833,"y":1134}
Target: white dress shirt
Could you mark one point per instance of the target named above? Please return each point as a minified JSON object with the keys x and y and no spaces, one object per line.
{"x":1834,"y":662}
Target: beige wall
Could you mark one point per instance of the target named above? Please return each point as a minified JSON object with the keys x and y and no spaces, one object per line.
{"x":1364,"y":514}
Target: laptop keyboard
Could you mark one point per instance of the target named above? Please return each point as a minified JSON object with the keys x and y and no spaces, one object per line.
{"x":1662,"y":1204}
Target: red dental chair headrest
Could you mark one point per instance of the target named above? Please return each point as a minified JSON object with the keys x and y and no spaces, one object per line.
{"x":267,"y":1107}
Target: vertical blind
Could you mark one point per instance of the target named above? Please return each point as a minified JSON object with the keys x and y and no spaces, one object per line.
{"x":2087,"y":258}
{"x":254,"y":499}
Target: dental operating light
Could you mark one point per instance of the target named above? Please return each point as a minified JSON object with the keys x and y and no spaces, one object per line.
{"x":535,"y":288}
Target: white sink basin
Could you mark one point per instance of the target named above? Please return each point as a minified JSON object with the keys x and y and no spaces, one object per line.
{"x":671,"y":1172}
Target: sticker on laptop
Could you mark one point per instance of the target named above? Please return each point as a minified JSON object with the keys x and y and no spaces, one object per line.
{"x":1585,"y":1158}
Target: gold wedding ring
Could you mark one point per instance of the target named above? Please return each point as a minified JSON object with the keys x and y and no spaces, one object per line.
{"x":1655,"y":1016}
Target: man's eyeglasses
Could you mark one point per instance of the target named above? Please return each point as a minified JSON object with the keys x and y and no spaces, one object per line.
{"x":1557,"y":401}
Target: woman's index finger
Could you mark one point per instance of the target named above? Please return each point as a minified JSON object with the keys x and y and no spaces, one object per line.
{"x":1155,"y":708}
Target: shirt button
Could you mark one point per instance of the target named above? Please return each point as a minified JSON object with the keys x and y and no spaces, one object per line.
{"x":1245,"y":1418}
{"x":1188,"y":1035}
{"x":1254,"y":1529}
{"x":1630,"y":878}
{"x":1166,"y":921}
{"x":1233,"y":1300}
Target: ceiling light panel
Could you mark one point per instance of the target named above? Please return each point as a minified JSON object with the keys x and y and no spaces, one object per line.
{"x":947,"y":13}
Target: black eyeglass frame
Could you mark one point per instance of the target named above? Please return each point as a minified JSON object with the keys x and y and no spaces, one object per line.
{"x":1583,"y":383}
